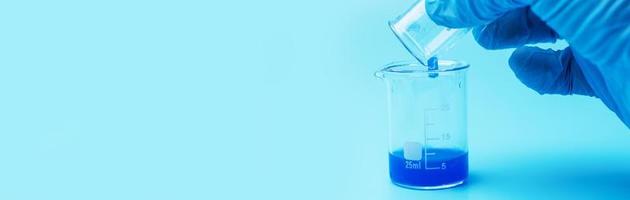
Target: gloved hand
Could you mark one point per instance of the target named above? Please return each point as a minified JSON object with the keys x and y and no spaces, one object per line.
{"x":597,"y":63}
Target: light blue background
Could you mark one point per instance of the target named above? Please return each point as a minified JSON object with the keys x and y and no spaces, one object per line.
{"x":262,"y":100}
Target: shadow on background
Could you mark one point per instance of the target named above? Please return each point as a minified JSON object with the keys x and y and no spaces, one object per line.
{"x":554,"y":176}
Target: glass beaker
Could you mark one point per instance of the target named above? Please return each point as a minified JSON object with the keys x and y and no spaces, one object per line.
{"x":422,"y":37}
{"x":427,"y":124}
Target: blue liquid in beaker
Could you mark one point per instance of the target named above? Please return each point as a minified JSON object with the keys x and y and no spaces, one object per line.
{"x":445,"y":167}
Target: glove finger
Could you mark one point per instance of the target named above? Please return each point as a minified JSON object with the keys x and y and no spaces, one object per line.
{"x":549,"y":72}
{"x":514,"y":29}
{"x":597,"y":30}
{"x":469,"y":13}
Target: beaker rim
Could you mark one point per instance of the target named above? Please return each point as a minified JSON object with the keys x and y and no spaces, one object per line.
{"x":415,"y":69}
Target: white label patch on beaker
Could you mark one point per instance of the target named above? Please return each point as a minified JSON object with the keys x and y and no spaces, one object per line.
{"x":412,"y":151}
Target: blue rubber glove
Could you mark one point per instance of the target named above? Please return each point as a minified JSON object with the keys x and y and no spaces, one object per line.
{"x":597,"y":63}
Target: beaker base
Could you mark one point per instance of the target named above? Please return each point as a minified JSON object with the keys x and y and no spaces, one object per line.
{"x":436,"y":187}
